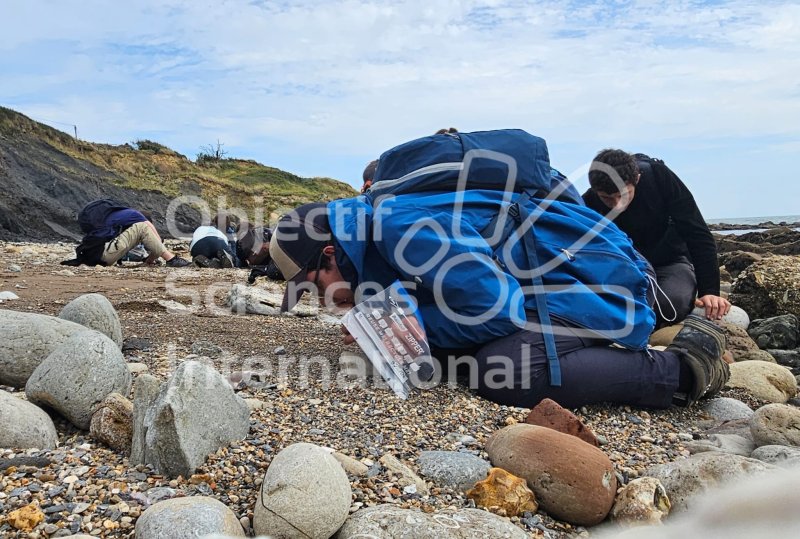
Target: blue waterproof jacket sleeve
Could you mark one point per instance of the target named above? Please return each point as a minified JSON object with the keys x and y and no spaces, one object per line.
{"x":474,"y":301}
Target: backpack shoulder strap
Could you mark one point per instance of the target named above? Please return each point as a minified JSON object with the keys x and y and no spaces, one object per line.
{"x":510,"y":218}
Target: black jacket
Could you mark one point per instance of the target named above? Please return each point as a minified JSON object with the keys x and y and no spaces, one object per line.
{"x":664,"y":222}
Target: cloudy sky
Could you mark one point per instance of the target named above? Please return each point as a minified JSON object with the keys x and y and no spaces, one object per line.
{"x":320,"y":88}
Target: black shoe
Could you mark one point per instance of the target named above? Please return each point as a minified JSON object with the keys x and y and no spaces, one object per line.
{"x":178,"y":262}
{"x":225,"y":259}
{"x":201,"y":261}
{"x":700,"y":345}
{"x":270,"y":271}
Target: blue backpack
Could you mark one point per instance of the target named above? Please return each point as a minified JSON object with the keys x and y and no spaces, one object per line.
{"x":588,"y":273}
{"x":504,"y":159}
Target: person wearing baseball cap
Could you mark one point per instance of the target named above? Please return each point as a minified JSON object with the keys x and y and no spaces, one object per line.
{"x":303,"y":251}
{"x":469,"y":301}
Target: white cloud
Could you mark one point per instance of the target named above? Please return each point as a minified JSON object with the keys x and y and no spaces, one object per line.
{"x":279,"y":81}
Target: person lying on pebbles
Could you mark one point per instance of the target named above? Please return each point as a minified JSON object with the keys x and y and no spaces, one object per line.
{"x":320,"y":247}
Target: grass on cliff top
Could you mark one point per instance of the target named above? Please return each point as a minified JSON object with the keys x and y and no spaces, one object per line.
{"x":148,"y":165}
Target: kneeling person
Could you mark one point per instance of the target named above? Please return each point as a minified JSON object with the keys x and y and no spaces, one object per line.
{"x":112,"y":231}
{"x":657,"y":211}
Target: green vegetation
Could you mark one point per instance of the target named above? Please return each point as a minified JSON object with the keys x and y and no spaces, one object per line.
{"x":150,"y":166}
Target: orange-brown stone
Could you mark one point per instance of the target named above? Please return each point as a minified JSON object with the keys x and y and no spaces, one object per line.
{"x":573,"y":481}
{"x":25,"y":518}
{"x":548,"y":413}
{"x":504,"y":491}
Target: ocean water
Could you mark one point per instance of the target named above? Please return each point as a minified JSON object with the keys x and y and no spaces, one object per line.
{"x":749,"y":223}
{"x":755,"y":220}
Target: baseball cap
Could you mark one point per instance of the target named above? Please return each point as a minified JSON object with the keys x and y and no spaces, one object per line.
{"x":296,"y":247}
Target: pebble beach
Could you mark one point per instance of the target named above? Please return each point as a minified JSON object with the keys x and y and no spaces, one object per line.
{"x":85,"y":487}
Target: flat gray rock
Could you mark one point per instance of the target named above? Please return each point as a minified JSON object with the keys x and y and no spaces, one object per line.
{"x":24,"y":425}
{"x":725,"y":408}
{"x":195,"y":413}
{"x":689,"y":479}
{"x":194,"y":516}
{"x":256,"y":300}
{"x":78,"y":375}
{"x":779,"y":455}
{"x":95,"y":312}
{"x":26,"y":339}
{"x":723,"y":443}
{"x":305,"y":493}
{"x":392,"y":522}
{"x":145,"y":392}
{"x":451,"y":469}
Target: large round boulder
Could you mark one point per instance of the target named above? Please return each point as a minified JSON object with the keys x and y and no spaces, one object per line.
{"x":195,"y":516}
{"x":78,"y":375}
{"x":95,"y":312}
{"x":776,"y":424}
{"x":764,"y":380}
{"x":26,"y":339}
{"x":305,"y":493}
{"x":24,"y":425}
{"x":573,"y":480}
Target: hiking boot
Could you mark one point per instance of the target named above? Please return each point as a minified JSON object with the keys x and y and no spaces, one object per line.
{"x":700,"y":345}
{"x":178,"y":262}
{"x":201,"y":261}
{"x":225,"y":259}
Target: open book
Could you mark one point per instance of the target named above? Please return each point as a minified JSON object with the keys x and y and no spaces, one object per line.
{"x":388,"y":328}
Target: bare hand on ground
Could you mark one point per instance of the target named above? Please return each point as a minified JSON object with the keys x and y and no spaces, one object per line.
{"x":346,"y":337}
{"x":715,"y":306}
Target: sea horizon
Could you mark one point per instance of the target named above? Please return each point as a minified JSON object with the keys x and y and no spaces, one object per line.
{"x":754,"y":220}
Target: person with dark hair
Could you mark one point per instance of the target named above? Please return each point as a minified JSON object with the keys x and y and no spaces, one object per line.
{"x":654,"y":207}
{"x":368,"y":175}
{"x":446,"y":131}
{"x":209,"y":247}
{"x":252,"y":244}
{"x":476,"y":307}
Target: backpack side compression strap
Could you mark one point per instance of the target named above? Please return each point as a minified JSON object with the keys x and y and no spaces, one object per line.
{"x":511,"y":218}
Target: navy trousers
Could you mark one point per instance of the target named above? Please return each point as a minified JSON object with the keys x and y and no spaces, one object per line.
{"x":513,"y":371}
{"x":209,"y":246}
{"x":675,"y":300}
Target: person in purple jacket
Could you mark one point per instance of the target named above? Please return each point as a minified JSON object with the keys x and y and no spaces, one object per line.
{"x":136,"y":229}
